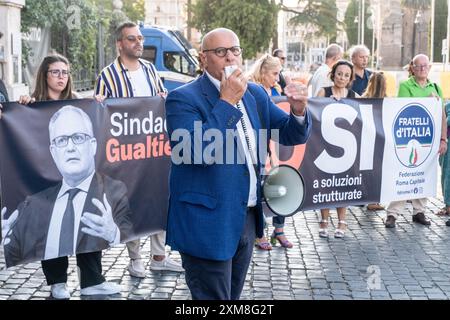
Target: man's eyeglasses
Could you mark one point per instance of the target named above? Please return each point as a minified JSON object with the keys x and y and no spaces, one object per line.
{"x":135,"y":38}
{"x":77,"y":138}
{"x":422,"y":67}
{"x":222,"y":52}
{"x":56,"y":73}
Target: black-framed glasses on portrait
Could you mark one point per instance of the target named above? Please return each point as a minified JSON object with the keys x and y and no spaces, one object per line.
{"x":222,"y":52}
{"x":77,"y":138}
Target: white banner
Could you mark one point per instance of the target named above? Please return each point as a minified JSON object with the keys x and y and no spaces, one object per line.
{"x":412,"y":129}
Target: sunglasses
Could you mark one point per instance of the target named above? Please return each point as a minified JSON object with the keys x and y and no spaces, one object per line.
{"x":135,"y":38}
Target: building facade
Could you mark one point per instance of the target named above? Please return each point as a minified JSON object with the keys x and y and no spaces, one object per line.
{"x":172,"y":13}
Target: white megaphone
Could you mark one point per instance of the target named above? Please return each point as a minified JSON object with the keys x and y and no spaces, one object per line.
{"x":284,"y":190}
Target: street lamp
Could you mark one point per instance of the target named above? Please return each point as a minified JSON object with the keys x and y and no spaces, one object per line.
{"x":418,"y":16}
{"x":356,"y":21}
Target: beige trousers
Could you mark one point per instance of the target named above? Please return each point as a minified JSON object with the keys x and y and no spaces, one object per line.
{"x":396,"y":207}
{"x":158,"y":241}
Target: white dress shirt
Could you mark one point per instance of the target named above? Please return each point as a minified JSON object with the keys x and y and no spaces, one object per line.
{"x":54,"y":230}
{"x":252,"y":199}
{"x":320,"y":79}
{"x":251,"y":135}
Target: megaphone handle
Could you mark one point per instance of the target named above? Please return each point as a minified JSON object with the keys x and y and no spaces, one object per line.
{"x":269,"y":153}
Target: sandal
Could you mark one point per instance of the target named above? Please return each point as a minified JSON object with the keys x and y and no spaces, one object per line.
{"x":339,"y":233}
{"x":284,"y":243}
{"x":263,"y":244}
{"x":323,"y":232}
{"x":444,"y":211}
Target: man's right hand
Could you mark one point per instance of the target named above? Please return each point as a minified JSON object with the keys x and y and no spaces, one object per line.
{"x":7,"y":224}
{"x":233,"y":88}
{"x":26,"y":100}
{"x":99,"y":98}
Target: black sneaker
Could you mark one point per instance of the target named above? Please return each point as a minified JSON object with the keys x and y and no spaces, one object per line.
{"x":420,"y":218}
{"x":390,"y":222}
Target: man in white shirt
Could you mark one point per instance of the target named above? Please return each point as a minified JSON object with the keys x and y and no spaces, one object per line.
{"x":321,"y":77}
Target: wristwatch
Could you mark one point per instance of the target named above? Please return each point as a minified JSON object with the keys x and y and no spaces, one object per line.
{"x":445,"y":140}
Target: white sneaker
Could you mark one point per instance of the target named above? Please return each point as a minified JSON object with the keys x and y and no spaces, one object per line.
{"x":60,"y":291}
{"x":136,"y":268}
{"x":104,"y":288}
{"x":166,"y":264}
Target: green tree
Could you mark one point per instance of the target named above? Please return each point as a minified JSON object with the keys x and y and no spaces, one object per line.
{"x":73,"y":26}
{"x":440,"y":28}
{"x":321,"y":15}
{"x":134,"y":9}
{"x":253,"y":21}
{"x":351,"y":27}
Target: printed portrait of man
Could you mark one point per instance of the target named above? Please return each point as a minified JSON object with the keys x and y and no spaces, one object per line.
{"x":86,"y":211}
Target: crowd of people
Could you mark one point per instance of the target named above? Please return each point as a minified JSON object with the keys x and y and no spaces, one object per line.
{"x":215,"y":213}
{"x":339,"y":78}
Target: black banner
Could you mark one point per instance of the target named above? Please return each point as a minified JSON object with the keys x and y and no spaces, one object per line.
{"x":132,"y":148}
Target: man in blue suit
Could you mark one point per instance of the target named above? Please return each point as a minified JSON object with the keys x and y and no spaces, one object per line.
{"x":215,"y":207}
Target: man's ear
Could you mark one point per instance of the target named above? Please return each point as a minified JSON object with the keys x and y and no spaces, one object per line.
{"x":118,"y":46}
{"x":203,"y":59}
{"x":93,"y":145}
{"x":52,"y":151}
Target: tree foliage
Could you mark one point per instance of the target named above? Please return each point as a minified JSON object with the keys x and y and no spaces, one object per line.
{"x":134,"y":9}
{"x":440,"y":28}
{"x":253,"y":21}
{"x":352,"y":28}
{"x":74,"y":26}
{"x":321,"y":15}
{"x":417,"y":4}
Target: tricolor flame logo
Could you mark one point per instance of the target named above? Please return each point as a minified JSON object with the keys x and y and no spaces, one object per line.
{"x":413,"y":157}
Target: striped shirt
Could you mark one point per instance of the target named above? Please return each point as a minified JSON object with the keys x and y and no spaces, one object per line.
{"x":114,"y":80}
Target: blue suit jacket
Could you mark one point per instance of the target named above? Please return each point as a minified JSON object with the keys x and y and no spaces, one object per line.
{"x":208,"y":201}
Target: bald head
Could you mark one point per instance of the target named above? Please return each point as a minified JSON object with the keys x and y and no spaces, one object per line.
{"x":217,"y":33}
{"x":215,"y":63}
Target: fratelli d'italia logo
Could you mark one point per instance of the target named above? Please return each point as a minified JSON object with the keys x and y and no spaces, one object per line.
{"x":413,"y":135}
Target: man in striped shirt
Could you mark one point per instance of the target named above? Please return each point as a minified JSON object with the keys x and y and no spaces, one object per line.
{"x":131,"y":76}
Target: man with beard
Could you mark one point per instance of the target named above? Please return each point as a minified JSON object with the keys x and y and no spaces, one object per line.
{"x":131,"y":76}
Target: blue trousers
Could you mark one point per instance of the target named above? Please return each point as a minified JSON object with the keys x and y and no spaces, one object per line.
{"x":221,"y":280}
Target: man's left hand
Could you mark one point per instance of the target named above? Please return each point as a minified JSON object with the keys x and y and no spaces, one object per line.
{"x":297,"y":95}
{"x":102,"y":226}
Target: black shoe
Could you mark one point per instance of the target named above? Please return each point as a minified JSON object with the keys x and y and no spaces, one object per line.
{"x":447,"y":223}
{"x":390,"y":222}
{"x":420,"y":218}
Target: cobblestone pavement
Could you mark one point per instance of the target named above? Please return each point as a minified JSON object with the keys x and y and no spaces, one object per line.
{"x":409,"y":262}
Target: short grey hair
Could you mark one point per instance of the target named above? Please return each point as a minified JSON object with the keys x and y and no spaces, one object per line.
{"x":357,"y":49}
{"x":87,"y":121}
{"x":420,"y":55}
{"x":333,"y":50}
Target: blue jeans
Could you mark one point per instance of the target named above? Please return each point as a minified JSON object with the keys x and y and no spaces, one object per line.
{"x":278,"y":221}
